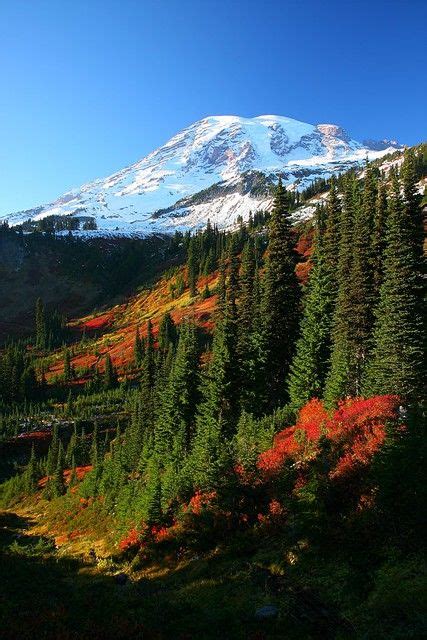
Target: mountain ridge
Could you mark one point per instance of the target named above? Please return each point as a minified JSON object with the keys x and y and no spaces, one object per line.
{"x":154,"y":194}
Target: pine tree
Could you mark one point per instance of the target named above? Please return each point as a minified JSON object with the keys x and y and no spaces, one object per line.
{"x":41,"y":328}
{"x":311,"y":361}
{"x":32,"y":473}
{"x":332,"y":223}
{"x":67,"y":366}
{"x":413,"y":212}
{"x":153,"y":494}
{"x":378,"y":239}
{"x":246,"y":442}
{"x":69,"y":407}
{"x":250,"y":343}
{"x":218,"y":411}
{"x":178,"y":404}
{"x":361,"y":282}
{"x":58,"y":483}
{"x":206,"y":293}
{"x":232,"y":291}
{"x":110,"y":374}
{"x":246,"y":302}
{"x":338,"y":382}
{"x":73,"y":475}
{"x":397,"y":359}
{"x":280,"y":304}
{"x":94,"y":446}
{"x":221,"y":287}
{"x":71,"y":447}
{"x":52,"y":456}
{"x":138,"y":349}
{"x":192,"y":267}
{"x":167,"y":332}
{"x":148,"y":365}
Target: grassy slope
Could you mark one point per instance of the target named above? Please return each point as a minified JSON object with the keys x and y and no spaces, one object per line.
{"x":211,"y":595}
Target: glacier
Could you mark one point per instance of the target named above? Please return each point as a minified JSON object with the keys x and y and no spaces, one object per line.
{"x":171,"y":188}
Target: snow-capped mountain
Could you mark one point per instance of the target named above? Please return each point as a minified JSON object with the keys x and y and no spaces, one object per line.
{"x":211,"y":169}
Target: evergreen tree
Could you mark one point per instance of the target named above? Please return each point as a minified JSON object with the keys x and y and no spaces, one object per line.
{"x":41,"y":328}
{"x":167,"y":332}
{"x":71,"y":448}
{"x":153,"y":494}
{"x":176,"y":417}
{"x":332,"y":223}
{"x":311,"y":361}
{"x":218,"y":411}
{"x":94,"y":446}
{"x":250,"y":343}
{"x":29,"y":386}
{"x":58,"y":482}
{"x":138,"y":349}
{"x":67,"y":366}
{"x":397,"y":360}
{"x":246,"y":442}
{"x":378,"y":239}
{"x":52,"y":456}
{"x":192,"y":267}
{"x":149,"y":366}
{"x":280,"y":304}
{"x":246,"y":302}
{"x":73,"y":475}
{"x":110,"y":374}
{"x":339,"y":378}
{"x":413,"y":212}
{"x":221,"y":287}
{"x":32,"y":473}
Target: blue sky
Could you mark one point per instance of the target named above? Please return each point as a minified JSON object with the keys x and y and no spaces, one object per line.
{"x":90,"y":86}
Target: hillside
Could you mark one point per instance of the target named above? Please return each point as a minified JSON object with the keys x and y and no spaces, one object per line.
{"x":233,"y":448}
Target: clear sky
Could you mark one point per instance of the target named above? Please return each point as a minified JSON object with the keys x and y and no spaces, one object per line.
{"x":90,"y":86}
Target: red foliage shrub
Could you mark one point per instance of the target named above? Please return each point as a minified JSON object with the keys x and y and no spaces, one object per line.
{"x":201,"y":500}
{"x":358,"y":426}
{"x":131,"y":539}
{"x":292,"y":440}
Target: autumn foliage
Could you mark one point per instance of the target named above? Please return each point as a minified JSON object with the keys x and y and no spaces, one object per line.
{"x":357,"y":427}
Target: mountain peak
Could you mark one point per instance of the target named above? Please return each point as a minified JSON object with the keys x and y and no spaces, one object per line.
{"x":156,"y":194}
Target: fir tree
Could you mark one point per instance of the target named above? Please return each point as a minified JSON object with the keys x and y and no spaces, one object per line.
{"x":149,"y":366}
{"x":138,"y":349}
{"x":178,"y":404}
{"x":32,"y":473}
{"x":378,"y":239}
{"x":41,"y":328}
{"x":280,"y":305}
{"x":339,"y":379}
{"x":332,"y":227}
{"x":192,"y":268}
{"x":67,"y":366}
{"x":153,"y":494}
{"x":311,"y":361}
{"x":167,"y":332}
{"x":94,"y":446}
{"x":52,"y":456}
{"x":110,"y":374}
{"x":58,"y":483}
{"x":73,"y":475}
{"x":397,"y":360}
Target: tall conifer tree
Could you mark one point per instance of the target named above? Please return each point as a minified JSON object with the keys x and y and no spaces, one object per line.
{"x":280,"y":305}
{"x":397,"y":360}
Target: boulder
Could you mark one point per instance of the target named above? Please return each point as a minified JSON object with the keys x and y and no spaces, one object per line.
{"x":267,"y":612}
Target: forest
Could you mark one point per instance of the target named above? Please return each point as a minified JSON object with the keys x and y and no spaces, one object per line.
{"x":239,"y":450}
